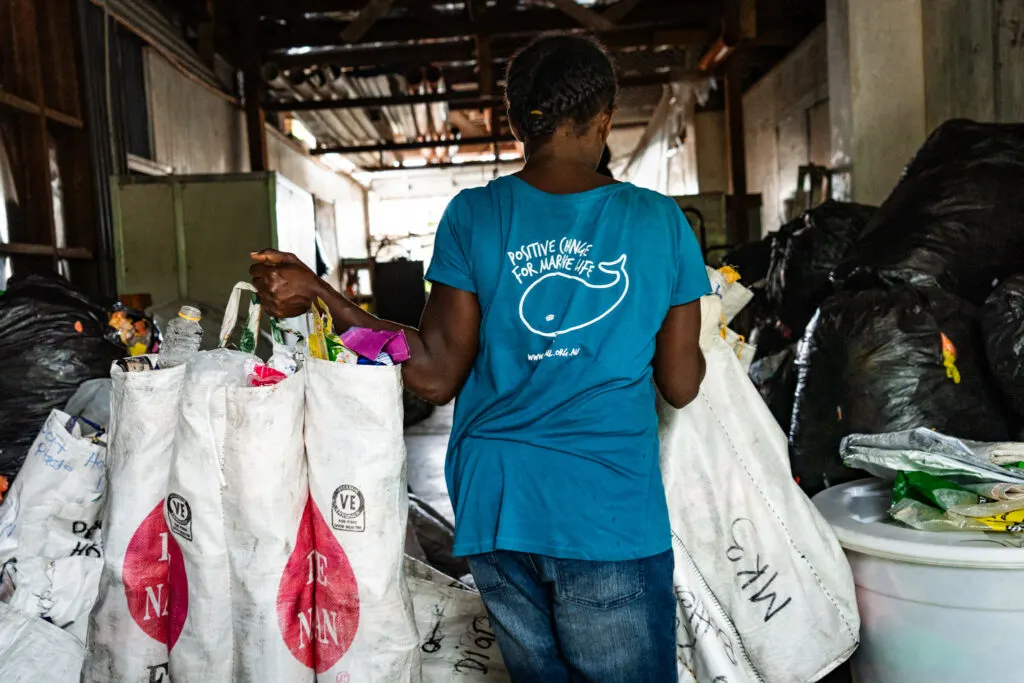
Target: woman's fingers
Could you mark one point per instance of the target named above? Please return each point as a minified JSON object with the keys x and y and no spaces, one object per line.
{"x":273,"y":257}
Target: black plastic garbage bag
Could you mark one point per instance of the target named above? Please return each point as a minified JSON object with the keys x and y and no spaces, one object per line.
{"x":1003,"y":323}
{"x":872,"y":362}
{"x":436,"y":537}
{"x":955,"y":220}
{"x":775,"y":379}
{"x":52,"y":338}
{"x":751,"y":260}
{"x":807,"y":251}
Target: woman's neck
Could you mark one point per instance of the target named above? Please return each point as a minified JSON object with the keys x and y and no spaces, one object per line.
{"x":562,"y":171}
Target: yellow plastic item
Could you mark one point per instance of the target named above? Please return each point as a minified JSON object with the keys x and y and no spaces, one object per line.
{"x":949,"y":359}
{"x":1008,"y":521}
{"x":730,"y":274}
{"x":322,"y":324}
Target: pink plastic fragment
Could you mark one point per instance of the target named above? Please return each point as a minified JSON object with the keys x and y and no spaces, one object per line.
{"x":369,"y":343}
{"x":265,"y":376}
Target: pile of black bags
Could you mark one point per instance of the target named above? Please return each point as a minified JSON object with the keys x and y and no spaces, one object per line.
{"x":53,"y":337}
{"x":901,"y":319}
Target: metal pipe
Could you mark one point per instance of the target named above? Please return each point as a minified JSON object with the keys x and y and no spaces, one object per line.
{"x":403,"y":146}
{"x":277,"y":80}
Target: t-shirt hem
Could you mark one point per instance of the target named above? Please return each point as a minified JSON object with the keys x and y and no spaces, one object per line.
{"x":465,"y":284}
{"x":560,"y":552}
{"x":682,"y":300}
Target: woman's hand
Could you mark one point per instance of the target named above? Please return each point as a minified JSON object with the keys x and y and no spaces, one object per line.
{"x":286,"y":286}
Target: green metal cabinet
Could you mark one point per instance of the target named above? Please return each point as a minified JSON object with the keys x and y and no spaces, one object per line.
{"x":188,"y":238}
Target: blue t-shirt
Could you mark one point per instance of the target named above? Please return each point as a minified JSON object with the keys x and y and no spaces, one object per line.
{"x":554,"y":448}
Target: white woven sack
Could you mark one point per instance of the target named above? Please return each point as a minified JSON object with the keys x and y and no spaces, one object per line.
{"x":766,"y":554}
{"x":356,"y":452}
{"x":130,"y":629}
{"x":34,"y":650}
{"x":456,"y":639}
{"x":54,"y":505}
{"x":272,"y":573}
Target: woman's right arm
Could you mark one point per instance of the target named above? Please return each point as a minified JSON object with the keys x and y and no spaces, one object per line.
{"x":678,"y":361}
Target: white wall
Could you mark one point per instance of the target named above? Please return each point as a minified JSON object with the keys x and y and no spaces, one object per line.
{"x":197,"y":130}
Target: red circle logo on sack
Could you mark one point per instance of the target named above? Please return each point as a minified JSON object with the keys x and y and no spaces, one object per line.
{"x":318,"y":600}
{"x":154,"y":579}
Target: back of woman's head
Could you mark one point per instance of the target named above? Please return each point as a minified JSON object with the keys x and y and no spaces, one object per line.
{"x":558,"y":79}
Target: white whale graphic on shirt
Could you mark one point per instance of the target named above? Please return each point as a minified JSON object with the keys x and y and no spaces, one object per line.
{"x":551,"y":324}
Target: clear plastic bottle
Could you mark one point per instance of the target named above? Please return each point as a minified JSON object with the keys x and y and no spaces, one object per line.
{"x":181,"y":338}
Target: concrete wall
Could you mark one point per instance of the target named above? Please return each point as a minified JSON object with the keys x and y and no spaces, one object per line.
{"x":712,"y":152}
{"x":198,"y":130}
{"x":899,"y":68}
{"x":786,"y":126}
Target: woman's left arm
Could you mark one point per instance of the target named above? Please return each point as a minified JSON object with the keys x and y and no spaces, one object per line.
{"x":442,"y":351}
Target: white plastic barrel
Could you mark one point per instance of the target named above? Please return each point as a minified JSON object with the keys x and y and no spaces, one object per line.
{"x":936,"y":607}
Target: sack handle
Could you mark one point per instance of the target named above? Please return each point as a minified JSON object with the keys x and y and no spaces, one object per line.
{"x":247,"y":343}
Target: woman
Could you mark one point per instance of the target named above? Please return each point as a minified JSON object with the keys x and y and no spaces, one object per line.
{"x":558,"y":293}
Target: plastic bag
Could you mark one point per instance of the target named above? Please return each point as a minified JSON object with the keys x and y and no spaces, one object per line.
{"x":954,"y":219}
{"x":775,"y":379}
{"x":91,"y":402}
{"x":51,"y":341}
{"x":882,"y":361}
{"x":436,"y":537}
{"x":1003,"y":322}
{"x":804,"y":255}
{"x":925,"y":450}
{"x":752,"y":260}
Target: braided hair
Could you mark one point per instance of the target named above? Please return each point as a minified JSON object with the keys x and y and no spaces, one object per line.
{"x":556,"y":79}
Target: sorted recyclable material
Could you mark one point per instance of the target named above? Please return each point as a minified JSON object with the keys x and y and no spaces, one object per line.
{"x":954,"y":219}
{"x":381,"y":346}
{"x":133,"y":330}
{"x":261,"y":375}
{"x":929,"y":503}
{"x":926,"y":450}
{"x":137,"y":364}
{"x":52,"y":339}
{"x":182,"y":338}
{"x":1003,"y":323}
{"x":323,"y":342}
{"x":358,"y":345}
{"x":880,"y":361}
{"x":804,"y":255}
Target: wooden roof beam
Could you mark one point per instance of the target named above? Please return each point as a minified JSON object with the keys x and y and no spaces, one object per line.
{"x":463,"y":49}
{"x":591,"y":20}
{"x":372,"y":12}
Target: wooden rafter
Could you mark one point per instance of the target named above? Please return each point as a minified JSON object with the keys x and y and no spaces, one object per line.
{"x":589,"y":19}
{"x":372,"y":12}
{"x":620,"y":10}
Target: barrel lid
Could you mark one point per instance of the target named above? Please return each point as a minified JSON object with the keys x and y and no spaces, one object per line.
{"x":858,"y":512}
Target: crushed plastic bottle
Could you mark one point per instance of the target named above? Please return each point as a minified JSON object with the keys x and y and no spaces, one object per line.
{"x":181,"y":338}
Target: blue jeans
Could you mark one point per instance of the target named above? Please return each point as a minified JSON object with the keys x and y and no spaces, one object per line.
{"x":576,"y":621}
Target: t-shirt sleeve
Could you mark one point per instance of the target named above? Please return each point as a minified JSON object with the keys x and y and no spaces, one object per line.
{"x":450,"y":263}
{"x":691,"y":275}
